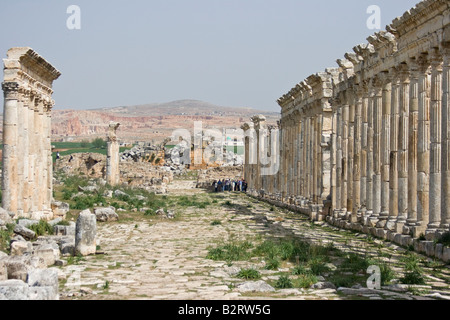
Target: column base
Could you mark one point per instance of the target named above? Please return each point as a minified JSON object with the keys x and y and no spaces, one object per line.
{"x":418,"y":230}
{"x":390,"y":225}
{"x":399,"y":226}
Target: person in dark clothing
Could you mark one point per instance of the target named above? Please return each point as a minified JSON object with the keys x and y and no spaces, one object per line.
{"x":219,"y":186}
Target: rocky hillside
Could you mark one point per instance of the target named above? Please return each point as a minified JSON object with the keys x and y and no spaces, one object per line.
{"x":152,"y":122}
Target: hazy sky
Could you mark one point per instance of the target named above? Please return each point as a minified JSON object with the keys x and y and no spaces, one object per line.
{"x":228,"y":52}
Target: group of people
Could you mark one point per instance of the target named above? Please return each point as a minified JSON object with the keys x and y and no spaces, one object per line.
{"x":230,"y":185}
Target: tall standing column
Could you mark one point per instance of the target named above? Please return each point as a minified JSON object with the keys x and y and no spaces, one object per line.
{"x":435,"y":152}
{"x":377,"y":121}
{"x":413,"y":142}
{"x":334,"y":172}
{"x":112,"y":161}
{"x":385,"y":145}
{"x":350,"y":155}
{"x":344,"y":186}
{"x":9,"y":181}
{"x":393,"y":158}
{"x":364,"y":150}
{"x":423,"y":151}
{"x":445,"y":219}
{"x":403,"y":149}
{"x":370,"y":133}
{"x":357,"y":190}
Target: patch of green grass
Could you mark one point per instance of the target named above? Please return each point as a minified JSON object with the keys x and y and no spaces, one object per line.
{"x":233,"y":251}
{"x":413,"y":271}
{"x":42,"y":228}
{"x":5,"y":237}
{"x":106,"y":285}
{"x":272,"y":264}
{"x":355,"y":263}
{"x":216,"y":223}
{"x":305,"y":281}
{"x":284,"y":282}
{"x":249,"y":274}
{"x":318,"y":267}
{"x":346,"y":281}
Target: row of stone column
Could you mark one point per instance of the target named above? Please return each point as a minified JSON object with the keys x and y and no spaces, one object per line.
{"x":392,"y":148}
{"x":27,"y":155}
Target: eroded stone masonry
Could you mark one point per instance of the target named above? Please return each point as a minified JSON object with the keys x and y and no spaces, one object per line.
{"x":27,"y":156}
{"x":366,"y":145}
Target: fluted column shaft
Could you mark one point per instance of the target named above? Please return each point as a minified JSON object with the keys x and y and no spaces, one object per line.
{"x":435,"y":136}
{"x":445,"y":219}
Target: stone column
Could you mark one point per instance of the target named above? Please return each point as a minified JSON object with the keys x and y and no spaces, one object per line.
{"x":344,"y":177}
{"x":435,"y":135}
{"x":357,"y":190}
{"x":377,"y":122}
{"x":112,"y":161}
{"x":403,"y":149}
{"x":445,"y":219}
{"x":20,"y":153}
{"x":9,"y":180}
{"x":26,"y":152}
{"x":393,"y":158}
{"x":364,"y":145}
{"x":48,"y":114}
{"x":350,"y":154}
{"x":334,"y":170}
{"x":423,"y":149}
{"x":370,"y":137}
{"x":413,"y":142}
{"x":385,"y":147}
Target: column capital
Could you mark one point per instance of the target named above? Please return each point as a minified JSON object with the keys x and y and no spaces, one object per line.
{"x":10,"y":90}
{"x":404,"y":73}
{"x":424,"y":64}
{"x":436,"y":60}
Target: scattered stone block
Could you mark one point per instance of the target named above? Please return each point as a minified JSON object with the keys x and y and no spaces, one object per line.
{"x":24,"y":232}
{"x":14,"y":290}
{"x":47,"y":280}
{"x":19,"y":248}
{"x":254,"y":286}
{"x":106,"y":214}
{"x":85,"y":233}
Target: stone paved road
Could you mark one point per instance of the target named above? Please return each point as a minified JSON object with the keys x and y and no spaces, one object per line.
{"x":164,"y":259}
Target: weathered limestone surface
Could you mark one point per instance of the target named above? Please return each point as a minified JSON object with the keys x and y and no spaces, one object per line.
{"x":27,"y":156}
{"x":113,"y":160}
{"x":366,"y":146}
{"x":85,"y":233}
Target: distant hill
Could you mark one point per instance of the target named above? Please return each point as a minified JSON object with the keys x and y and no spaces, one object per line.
{"x":150,"y":122}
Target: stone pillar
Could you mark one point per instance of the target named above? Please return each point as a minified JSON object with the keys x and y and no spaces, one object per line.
{"x":344,"y":177}
{"x":385,"y":147}
{"x":413,"y":142}
{"x":393,"y":158}
{"x":350,"y":154}
{"x":403,"y":149}
{"x":423,"y":149}
{"x":112,"y":160}
{"x":377,"y":122}
{"x":364,"y":145}
{"x":445,"y":219}
{"x":435,"y":152}
{"x":334,"y":170}
{"x":10,"y":177}
{"x":357,"y":190}
{"x":370,"y":137}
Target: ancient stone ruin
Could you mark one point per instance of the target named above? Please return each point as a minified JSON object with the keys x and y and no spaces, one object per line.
{"x":113,"y":160}
{"x":366,"y":145}
{"x":27,"y":155}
